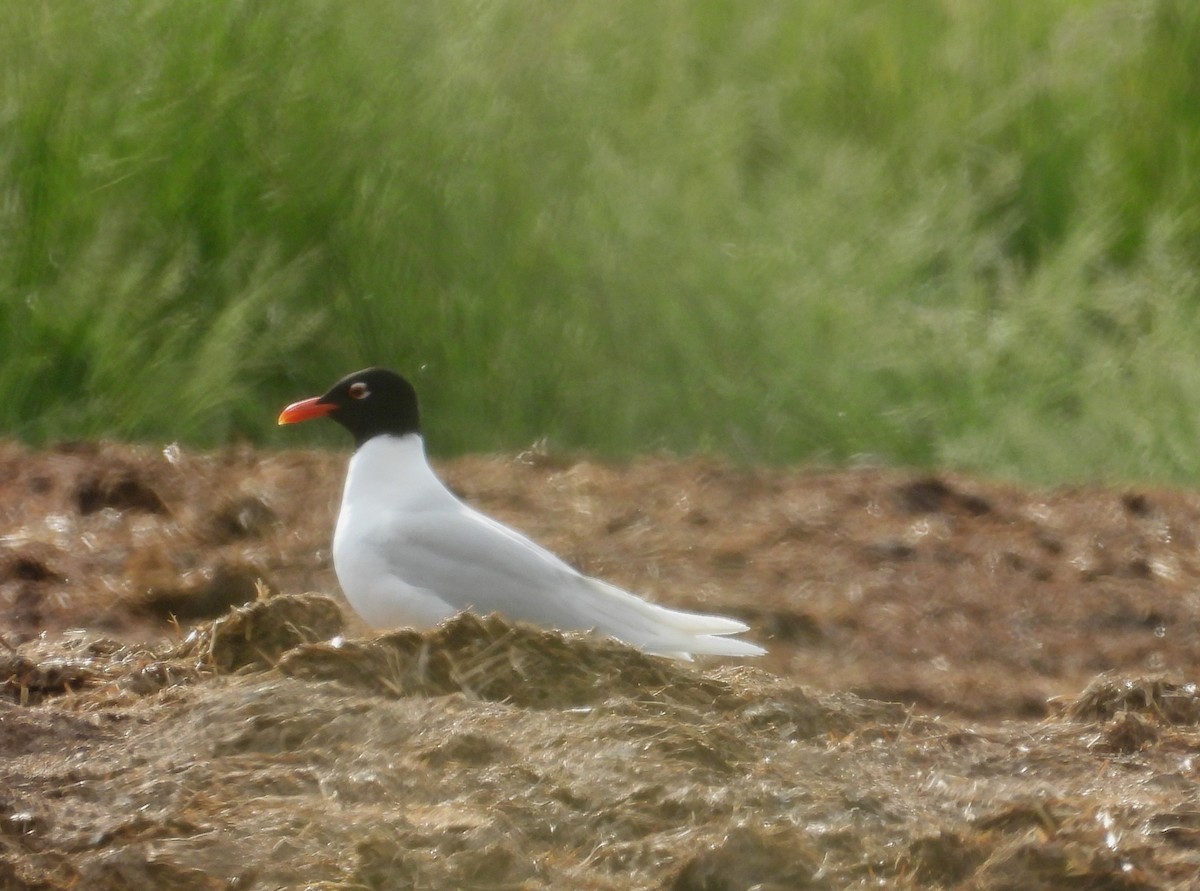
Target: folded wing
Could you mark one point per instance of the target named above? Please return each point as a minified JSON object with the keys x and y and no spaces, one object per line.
{"x":454,"y":552}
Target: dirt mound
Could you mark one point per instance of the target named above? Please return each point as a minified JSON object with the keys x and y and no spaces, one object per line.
{"x":203,"y":731}
{"x":482,"y":754}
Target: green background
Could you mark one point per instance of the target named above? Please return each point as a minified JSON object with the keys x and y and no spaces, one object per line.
{"x":929,"y":233}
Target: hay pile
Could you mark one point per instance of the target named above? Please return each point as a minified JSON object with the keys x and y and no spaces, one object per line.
{"x":263,"y":750}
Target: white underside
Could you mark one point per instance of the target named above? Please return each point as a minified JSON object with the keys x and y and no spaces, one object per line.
{"x":408,"y":552}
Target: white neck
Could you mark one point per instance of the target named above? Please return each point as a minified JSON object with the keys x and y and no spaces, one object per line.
{"x":392,"y":471}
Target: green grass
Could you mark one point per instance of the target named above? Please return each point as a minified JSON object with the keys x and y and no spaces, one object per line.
{"x":937,"y":233}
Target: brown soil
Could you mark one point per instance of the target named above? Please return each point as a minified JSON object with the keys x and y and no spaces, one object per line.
{"x":970,"y":685}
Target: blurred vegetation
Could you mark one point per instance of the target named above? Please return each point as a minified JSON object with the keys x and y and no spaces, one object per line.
{"x":934,"y":232}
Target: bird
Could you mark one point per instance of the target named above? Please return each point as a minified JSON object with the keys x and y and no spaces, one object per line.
{"x":409,"y":552}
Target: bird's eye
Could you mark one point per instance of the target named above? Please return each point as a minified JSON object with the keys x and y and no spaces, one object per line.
{"x":359,"y":391}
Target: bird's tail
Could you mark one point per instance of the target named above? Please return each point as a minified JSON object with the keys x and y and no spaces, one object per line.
{"x":662,"y":631}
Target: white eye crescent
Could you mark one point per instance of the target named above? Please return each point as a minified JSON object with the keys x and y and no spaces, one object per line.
{"x":359,"y":391}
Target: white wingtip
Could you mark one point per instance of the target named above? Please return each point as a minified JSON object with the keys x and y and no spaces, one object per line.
{"x":707,"y":645}
{"x":663,"y":631}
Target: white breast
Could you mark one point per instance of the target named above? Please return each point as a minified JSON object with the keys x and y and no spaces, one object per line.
{"x":388,"y":483}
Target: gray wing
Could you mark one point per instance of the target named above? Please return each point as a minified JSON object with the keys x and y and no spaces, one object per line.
{"x":473,"y":562}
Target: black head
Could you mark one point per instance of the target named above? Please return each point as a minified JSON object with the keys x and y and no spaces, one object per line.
{"x":367,"y":403}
